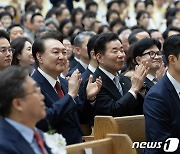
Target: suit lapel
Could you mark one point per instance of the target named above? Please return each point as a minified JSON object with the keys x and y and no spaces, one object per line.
{"x":20,"y":143}
{"x":172,"y":91}
{"x":108,"y":84}
{"x":45,"y":85}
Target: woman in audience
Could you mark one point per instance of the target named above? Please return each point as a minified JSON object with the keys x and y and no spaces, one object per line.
{"x":65,"y":26}
{"x":23,"y":52}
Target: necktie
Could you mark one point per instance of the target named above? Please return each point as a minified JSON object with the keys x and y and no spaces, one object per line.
{"x":59,"y":90}
{"x":39,"y":141}
{"x":118,"y":85}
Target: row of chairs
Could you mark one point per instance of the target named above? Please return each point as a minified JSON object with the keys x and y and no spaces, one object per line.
{"x":132,"y":126}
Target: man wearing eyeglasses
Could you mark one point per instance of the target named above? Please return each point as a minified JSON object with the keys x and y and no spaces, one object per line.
{"x":5,"y":50}
{"x":148,"y":50}
{"x":21,"y":107}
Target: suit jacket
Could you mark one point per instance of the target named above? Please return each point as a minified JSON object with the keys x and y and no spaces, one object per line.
{"x":85,"y":114}
{"x":61,"y":113}
{"x":162,"y":114}
{"x":12,"y":142}
{"x":72,"y":62}
{"x":79,"y":67}
{"x":109,"y":101}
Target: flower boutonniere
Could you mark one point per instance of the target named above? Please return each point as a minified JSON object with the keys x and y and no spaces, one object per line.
{"x":56,"y":142}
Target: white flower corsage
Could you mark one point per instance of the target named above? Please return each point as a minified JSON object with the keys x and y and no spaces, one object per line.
{"x":56,"y":142}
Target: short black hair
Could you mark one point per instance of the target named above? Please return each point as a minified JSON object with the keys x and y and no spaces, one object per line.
{"x":38,"y":45}
{"x":33,"y":16}
{"x":14,"y":25}
{"x":171,"y":46}
{"x":4,"y":34}
{"x":11,"y":86}
{"x":102,"y":40}
{"x":90,"y":3}
{"x":146,"y":43}
{"x":90,"y":45}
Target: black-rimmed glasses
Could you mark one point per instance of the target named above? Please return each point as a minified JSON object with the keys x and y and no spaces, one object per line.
{"x":153,"y":54}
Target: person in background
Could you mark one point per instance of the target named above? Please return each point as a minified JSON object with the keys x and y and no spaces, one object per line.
{"x":5,"y":50}
{"x":15,"y":31}
{"x":22,"y":55}
{"x":21,"y":107}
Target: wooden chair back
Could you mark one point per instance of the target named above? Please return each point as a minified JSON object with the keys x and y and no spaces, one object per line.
{"x":112,"y":144}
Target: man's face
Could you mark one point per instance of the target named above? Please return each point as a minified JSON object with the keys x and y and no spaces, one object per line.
{"x":38,"y":22}
{"x":53,"y":60}
{"x":32,"y":103}
{"x":5,"y":54}
{"x":16,"y":32}
{"x":114,"y":56}
{"x":153,"y":63}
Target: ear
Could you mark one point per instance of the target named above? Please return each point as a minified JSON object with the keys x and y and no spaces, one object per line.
{"x":138,"y":60}
{"x":93,"y":56}
{"x":19,"y":56}
{"x":17,"y":104}
{"x":171,"y":59}
{"x":77,"y":50}
{"x":99,"y":58}
{"x":39,"y":57}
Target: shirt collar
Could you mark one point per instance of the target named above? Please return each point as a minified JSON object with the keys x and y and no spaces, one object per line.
{"x":51,"y":80}
{"x":26,"y":132}
{"x":76,"y":59}
{"x":150,"y":77}
{"x":175,"y":83}
{"x":83,"y":64}
{"x":91,"y":68}
{"x":111,"y":76}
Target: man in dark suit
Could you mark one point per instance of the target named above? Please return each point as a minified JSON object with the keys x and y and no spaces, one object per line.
{"x":118,"y":95}
{"x":61,"y":98}
{"x":86,"y":113}
{"x":148,"y":50}
{"x":80,"y":45}
{"x":21,"y":107}
{"x":162,"y":102}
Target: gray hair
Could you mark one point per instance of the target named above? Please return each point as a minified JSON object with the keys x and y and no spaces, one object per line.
{"x":78,"y":40}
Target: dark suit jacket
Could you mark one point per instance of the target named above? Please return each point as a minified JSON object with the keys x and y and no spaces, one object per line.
{"x":162,"y":113}
{"x":72,"y":62}
{"x":12,"y":142}
{"x":79,"y":67}
{"x":85,"y":114}
{"x":61,"y":113}
{"x":109,"y":100}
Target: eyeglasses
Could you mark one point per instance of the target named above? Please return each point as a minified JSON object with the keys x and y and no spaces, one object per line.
{"x":4,"y":49}
{"x":153,"y":54}
{"x":36,"y":90}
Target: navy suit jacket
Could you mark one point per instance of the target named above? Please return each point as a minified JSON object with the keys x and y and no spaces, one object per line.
{"x":85,"y":114}
{"x":79,"y":67}
{"x":72,"y":62}
{"x":12,"y":142}
{"x":162,"y":114}
{"x":109,"y":101}
{"x":61,"y":113}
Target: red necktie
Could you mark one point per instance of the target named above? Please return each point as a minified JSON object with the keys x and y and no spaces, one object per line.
{"x":39,"y":141}
{"x":59,"y":90}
